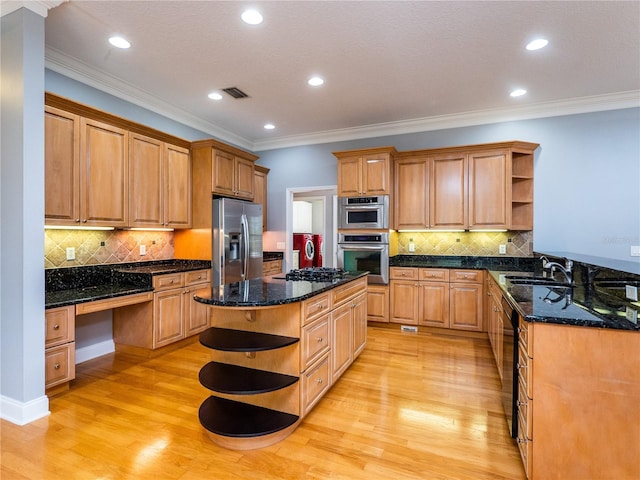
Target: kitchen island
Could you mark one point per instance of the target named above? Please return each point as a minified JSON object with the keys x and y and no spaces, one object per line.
{"x":276,"y":346}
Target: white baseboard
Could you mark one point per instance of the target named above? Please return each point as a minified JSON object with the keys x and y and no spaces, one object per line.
{"x":22,"y":413}
{"x":94,"y":351}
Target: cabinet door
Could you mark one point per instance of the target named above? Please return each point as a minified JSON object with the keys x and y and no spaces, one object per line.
{"x":403,"y":302}
{"x":434,"y":304}
{"x":103,"y":172}
{"x":222,"y":172}
{"x":196,"y":314}
{"x":375,"y":174}
{"x":378,"y":303}
{"x":260,"y":185}
{"x":145,"y":181}
{"x":359,"y":320}
{"x":448,"y":190}
{"x":349,"y":177}
{"x":177,"y":187}
{"x":61,"y":167}
{"x":244,"y":178}
{"x":465,"y":303}
{"x":488,"y":190}
{"x":168,"y":324}
{"x":341,"y":339}
{"x":412,"y":193}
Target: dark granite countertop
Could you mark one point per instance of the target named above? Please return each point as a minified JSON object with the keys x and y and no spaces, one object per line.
{"x":72,"y":285}
{"x":450,"y":261}
{"x":270,"y":291}
{"x":598,"y":306}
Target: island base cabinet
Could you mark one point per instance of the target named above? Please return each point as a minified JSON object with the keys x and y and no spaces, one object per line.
{"x":316,"y":380}
{"x":341,"y":342}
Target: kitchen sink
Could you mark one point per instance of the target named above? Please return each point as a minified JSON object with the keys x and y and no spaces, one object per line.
{"x":548,"y":282}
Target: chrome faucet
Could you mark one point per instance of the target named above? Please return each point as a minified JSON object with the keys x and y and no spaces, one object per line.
{"x":549,"y":268}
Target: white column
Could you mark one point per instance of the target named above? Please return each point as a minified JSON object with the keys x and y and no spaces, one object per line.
{"x":22,"y":326}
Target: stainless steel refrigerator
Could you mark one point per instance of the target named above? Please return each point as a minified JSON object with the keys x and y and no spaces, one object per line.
{"x":237,"y":240}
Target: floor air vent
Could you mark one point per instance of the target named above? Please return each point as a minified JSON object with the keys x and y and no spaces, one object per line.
{"x":235,"y":92}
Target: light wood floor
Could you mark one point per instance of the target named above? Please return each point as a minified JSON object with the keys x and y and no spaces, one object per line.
{"x":413,"y":406}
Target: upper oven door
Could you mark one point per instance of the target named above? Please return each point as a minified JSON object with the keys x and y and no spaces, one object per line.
{"x":366,"y":257}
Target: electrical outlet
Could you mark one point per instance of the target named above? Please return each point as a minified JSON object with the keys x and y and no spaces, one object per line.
{"x":412,"y":247}
{"x":143,"y":249}
{"x":632,"y":315}
{"x":408,"y":328}
{"x":631,"y":292}
{"x":71,"y":253}
{"x":635,"y":250}
{"x":502,"y":249}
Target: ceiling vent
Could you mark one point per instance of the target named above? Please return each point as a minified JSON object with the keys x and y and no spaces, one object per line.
{"x":235,"y":92}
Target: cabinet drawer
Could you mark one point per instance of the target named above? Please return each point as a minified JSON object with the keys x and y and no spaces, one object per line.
{"x":315,"y":306}
{"x":168,"y":281}
{"x":342,"y":294}
{"x":315,"y":381}
{"x":524,"y":372}
{"x":403,"y":273}
{"x":525,"y":410}
{"x":471,"y":276}
{"x":434,"y":274}
{"x":60,"y":325}
{"x":524,"y":336}
{"x":315,"y":340}
{"x":60,"y":364}
{"x":525,"y":446}
{"x":197,"y":276}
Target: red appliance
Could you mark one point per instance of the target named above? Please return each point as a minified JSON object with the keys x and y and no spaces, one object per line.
{"x":318,"y":247}
{"x":304,"y":243}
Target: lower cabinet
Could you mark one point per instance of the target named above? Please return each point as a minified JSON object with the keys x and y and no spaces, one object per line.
{"x":59,"y":353}
{"x":378,"y":303}
{"x":495,"y":322}
{"x":271,"y":267}
{"x":437,"y":297}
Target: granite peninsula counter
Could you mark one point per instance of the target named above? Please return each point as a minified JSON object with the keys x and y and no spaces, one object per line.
{"x":276,"y":347}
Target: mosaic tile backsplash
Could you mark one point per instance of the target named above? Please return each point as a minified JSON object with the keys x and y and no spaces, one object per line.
{"x":97,"y":247}
{"x":483,"y":244}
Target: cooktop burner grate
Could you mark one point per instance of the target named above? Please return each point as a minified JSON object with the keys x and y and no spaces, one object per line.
{"x":316,"y":274}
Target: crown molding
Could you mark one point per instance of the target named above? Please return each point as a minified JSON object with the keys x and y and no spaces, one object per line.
{"x":77,"y":70}
{"x":597,"y":103}
{"x":81,"y":72}
{"x":41,"y":7}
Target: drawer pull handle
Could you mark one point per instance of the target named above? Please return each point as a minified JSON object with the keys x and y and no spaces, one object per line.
{"x":56,"y":327}
{"x":521,"y":404}
{"x":319,"y":339}
{"x":319,"y":381}
{"x":320,"y":306}
{"x":57,"y":366}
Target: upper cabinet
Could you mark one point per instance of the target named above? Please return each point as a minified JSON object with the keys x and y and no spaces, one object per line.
{"x":478,"y":187}
{"x":260,"y":184}
{"x":365,"y":172}
{"x":230,"y":170}
{"x":102,"y":170}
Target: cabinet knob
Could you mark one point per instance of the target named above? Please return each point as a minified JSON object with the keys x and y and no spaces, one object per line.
{"x":56,"y":327}
{"x":57,"y":366}
{"x":319,"y":339}
{"x":319,"y":381}
{"x":77,"y":220}
{"x":319,"y":306}
{"x":84,"y":221}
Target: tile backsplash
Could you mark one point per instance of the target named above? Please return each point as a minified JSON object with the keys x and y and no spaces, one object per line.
{"x":96,"y":247}
{"x":485,"y":244}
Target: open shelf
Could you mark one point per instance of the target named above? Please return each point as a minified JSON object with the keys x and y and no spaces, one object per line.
{"x":233,"y":379}
{"x":229,"y":340}
{"x":236,"y":419}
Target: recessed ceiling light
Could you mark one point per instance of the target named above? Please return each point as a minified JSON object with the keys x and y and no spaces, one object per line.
{"x":518,"y":92}
{"x":269,"y":126}
{"x":315,"y":81}
{"x":119,"y":42}
{"x":252,"y":17}
{"x":215,"y":96}
{"x":537,"y":44}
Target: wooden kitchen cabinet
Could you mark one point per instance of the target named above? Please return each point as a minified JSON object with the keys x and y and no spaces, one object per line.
{"x":365,"y":172}
{"x":271,"y":267}
{"x":487,"y":188}
{"x":378,"y":303}
{"x":260,"y":183}
{"x":437,"y":297}
{"x":411,"y":193}
{"x":448,"y":206}
{"x":59,"y":350}
{"x":177,"y":187}
{"x":495,"y":322}
{"x":359,"y":319}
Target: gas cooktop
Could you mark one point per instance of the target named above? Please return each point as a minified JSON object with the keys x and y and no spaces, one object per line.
{"x":316,"y":274}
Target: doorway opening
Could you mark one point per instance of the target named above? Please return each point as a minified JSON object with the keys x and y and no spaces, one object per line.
{"x":317,"y":214}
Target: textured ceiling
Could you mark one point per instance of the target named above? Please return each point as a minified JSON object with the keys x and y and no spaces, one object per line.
{"x":383,"y":62}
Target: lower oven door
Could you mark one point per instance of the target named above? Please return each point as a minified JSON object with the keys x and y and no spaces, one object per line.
{"x":372,"y":258}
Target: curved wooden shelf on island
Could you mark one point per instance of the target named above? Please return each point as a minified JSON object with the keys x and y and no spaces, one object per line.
{"x":229,"y":340}
{"x":236,"y":380}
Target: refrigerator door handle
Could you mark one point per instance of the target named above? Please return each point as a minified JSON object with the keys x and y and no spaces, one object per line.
{"x":244,"y":245}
